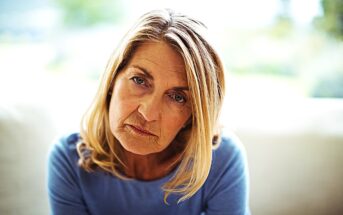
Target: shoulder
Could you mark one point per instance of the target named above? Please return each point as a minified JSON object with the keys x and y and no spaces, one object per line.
{"x":66,"y":143}
{"x":226,"y":189}
{"x":228,"y":162}
{"x":64,"y":179}
{"x":230,"y":150}
{"x":63,"y":151}
{"x":63,"y":168}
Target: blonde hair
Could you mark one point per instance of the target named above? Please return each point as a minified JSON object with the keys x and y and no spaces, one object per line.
{"x":205,"y":74}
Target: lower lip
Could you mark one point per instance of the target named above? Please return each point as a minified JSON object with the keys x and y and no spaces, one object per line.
{"x":140,"y":132}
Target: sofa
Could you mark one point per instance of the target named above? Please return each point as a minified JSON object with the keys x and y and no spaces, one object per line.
{"x":295,"y":155}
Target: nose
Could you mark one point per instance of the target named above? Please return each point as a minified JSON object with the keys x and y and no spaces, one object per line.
{"x":150,"y":108}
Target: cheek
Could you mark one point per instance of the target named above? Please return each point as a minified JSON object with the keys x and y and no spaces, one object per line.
{"x":121,"y":105}
{"x":173,"y":123}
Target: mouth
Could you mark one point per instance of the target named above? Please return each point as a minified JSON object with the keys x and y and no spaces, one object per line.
{"x":139,"y":130}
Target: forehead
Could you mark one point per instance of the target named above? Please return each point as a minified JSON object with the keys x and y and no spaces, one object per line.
{"x":159,"y":58}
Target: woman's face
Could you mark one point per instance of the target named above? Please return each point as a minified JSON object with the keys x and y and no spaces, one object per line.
{"x":150,"y":100}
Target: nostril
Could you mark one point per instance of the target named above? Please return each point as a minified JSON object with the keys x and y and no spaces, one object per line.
{"x":149,"y":112}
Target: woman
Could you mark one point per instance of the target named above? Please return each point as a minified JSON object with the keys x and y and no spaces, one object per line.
{"x":150,"y":143}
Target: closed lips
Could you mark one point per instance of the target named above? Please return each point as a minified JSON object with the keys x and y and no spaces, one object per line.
{"x":141,"y":130}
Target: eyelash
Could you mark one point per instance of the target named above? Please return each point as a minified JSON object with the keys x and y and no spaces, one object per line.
{"x":172,"y":96}
{"x":136,"y":78}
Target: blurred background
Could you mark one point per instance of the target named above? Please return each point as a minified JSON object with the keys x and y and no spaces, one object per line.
{"x":284,"y":91}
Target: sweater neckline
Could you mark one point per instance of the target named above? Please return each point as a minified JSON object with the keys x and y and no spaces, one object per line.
{"x":158,"y":181}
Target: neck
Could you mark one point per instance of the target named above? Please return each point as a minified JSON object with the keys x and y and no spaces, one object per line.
{"x":151,"y":166}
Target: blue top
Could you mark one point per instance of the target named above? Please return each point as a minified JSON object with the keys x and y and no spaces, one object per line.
{"x":74,"y":191}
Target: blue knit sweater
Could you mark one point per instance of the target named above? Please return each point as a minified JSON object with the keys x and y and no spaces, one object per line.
{"x":74,"y":191}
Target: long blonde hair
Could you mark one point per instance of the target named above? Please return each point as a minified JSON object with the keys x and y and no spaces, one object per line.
{"x":205,"y":76}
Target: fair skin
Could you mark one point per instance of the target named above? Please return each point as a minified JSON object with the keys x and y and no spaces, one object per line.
{"x":150,"y":104}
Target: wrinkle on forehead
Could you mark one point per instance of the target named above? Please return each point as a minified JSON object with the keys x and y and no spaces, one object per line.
{"x":179,"y":69}
{"x":180,"y":73}
{"x":160,"y":56}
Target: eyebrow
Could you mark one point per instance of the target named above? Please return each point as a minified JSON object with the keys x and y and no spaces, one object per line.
{"x":146,"y":73}
{"x":180,"y":88}
{"x":149,"y":76}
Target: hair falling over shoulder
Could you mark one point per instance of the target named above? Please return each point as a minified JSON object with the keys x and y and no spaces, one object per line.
{"x":205,"y":74}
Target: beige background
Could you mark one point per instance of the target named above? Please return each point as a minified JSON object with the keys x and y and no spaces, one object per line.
{"x":295,"y":155}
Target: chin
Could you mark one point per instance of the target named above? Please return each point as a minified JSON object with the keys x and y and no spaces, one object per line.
{"x":140,"y":150}
{"x":139,"y":146}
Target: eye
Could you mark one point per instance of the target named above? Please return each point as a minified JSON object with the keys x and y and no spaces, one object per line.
{"x":138,"y":80}
{"x":178,"y":97}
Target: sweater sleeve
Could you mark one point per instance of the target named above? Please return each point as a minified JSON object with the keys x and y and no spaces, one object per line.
{"x":227,"y":185}
{"x":64,"y":192}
